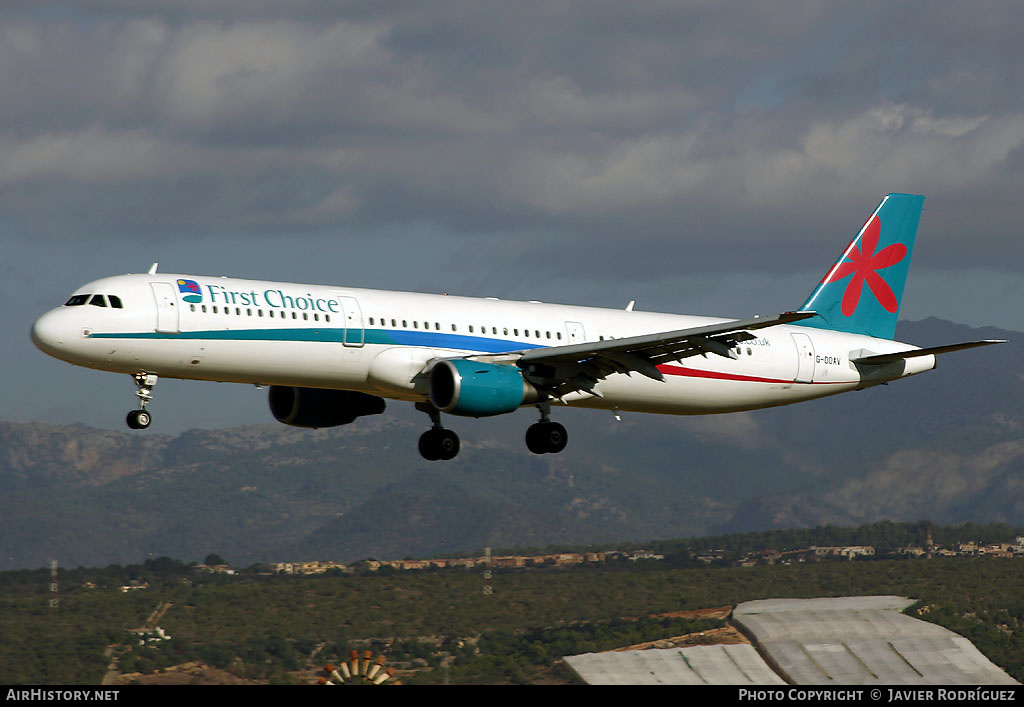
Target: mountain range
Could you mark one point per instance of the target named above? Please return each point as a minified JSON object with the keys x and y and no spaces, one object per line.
{"x":947,"y":446}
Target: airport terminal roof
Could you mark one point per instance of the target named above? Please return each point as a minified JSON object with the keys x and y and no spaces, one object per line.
{"x":735,"y":664}
{"x":862,"y":640}
{"x":831,"y":641}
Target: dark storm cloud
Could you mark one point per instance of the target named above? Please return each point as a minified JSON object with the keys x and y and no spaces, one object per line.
{"x":720,"y":131}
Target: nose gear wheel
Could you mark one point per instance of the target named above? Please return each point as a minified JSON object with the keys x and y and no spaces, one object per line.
{"x":140,"y":419}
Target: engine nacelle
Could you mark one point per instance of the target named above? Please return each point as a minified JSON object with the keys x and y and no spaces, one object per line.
{"x":318,"y":407}
{"x":474,"y":389}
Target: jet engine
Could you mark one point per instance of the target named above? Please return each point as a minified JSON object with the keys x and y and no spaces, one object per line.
{"x":318,"y":407}
{"x":474,"y":389}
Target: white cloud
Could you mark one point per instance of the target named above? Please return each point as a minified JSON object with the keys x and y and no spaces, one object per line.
{"x":214,"y":74}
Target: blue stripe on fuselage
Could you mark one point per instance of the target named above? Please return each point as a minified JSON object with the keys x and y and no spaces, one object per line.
{"x":392,"y":337}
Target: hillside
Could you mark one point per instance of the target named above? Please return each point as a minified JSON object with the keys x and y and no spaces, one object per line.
{"x":947,"y":446}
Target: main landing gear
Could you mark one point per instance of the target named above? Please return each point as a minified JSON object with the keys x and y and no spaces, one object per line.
{"x":437,"y":442}
{"x":140,"y":419}
{"x":544,"y":437}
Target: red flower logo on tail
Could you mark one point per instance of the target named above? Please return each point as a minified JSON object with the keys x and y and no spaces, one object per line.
{"x":864,"y":263}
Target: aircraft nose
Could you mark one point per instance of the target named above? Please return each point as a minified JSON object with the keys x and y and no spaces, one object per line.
{"x":47,"y":333}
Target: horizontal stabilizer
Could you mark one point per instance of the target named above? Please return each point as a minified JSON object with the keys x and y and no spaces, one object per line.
{"x":901,"y":355}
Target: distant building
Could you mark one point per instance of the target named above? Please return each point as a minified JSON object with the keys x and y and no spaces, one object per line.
{"x":133,"y":586}
{"x":849,"y":551}
{"x":215,"y":569}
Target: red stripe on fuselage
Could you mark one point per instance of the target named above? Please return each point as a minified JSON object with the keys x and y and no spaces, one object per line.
{"x":716,"y":375}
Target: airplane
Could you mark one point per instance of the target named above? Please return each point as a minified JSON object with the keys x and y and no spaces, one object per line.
{"x":332,"y":354}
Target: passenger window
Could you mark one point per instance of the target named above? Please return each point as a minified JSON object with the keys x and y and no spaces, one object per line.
{"x":192,"y":307}
{"x":327,"y":317}
{"x":470,"y":328}
{"x":115,"y":302}
{"x":98,"y":301}
{"x":77,"y":300}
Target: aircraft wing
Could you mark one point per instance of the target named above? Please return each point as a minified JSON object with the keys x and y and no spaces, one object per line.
{"x":564,"y":369}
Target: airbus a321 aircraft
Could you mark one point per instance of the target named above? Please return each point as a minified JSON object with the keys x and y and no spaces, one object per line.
{"x":332,"y":354}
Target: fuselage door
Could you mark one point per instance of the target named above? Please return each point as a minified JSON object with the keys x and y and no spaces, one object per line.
{"x":166,"y":307}
{"x":576,"y":333}
{"x":354,"y":332}
{"x":804,"y":358}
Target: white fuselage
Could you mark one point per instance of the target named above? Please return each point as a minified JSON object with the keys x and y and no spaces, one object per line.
{"x":379,"y":342}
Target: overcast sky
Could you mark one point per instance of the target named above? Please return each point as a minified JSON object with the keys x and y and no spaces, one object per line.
{"x":698,"y":157}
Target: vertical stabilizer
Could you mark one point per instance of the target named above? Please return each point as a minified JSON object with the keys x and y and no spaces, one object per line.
{"x":861,"y":293}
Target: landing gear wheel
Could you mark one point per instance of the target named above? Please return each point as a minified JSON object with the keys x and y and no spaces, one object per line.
{"x":546,"y":438}
{"x":439,"y":443}
{"x":138,"y":419}
{"x":428,"y":446}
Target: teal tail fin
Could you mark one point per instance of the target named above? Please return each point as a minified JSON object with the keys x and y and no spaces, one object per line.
{"x":861,"y":293}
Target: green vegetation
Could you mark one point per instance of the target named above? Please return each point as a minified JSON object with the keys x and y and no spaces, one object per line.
{"x":442,"y":626}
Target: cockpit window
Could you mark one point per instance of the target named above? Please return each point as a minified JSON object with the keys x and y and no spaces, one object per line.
{"x":95,"y":300}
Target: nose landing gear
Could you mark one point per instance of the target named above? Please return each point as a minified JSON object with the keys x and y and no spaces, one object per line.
{"x":140,"y":419}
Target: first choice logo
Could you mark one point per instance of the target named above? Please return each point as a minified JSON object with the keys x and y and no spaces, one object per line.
{"x":272,"y":298}
{"x":191,"y":291}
